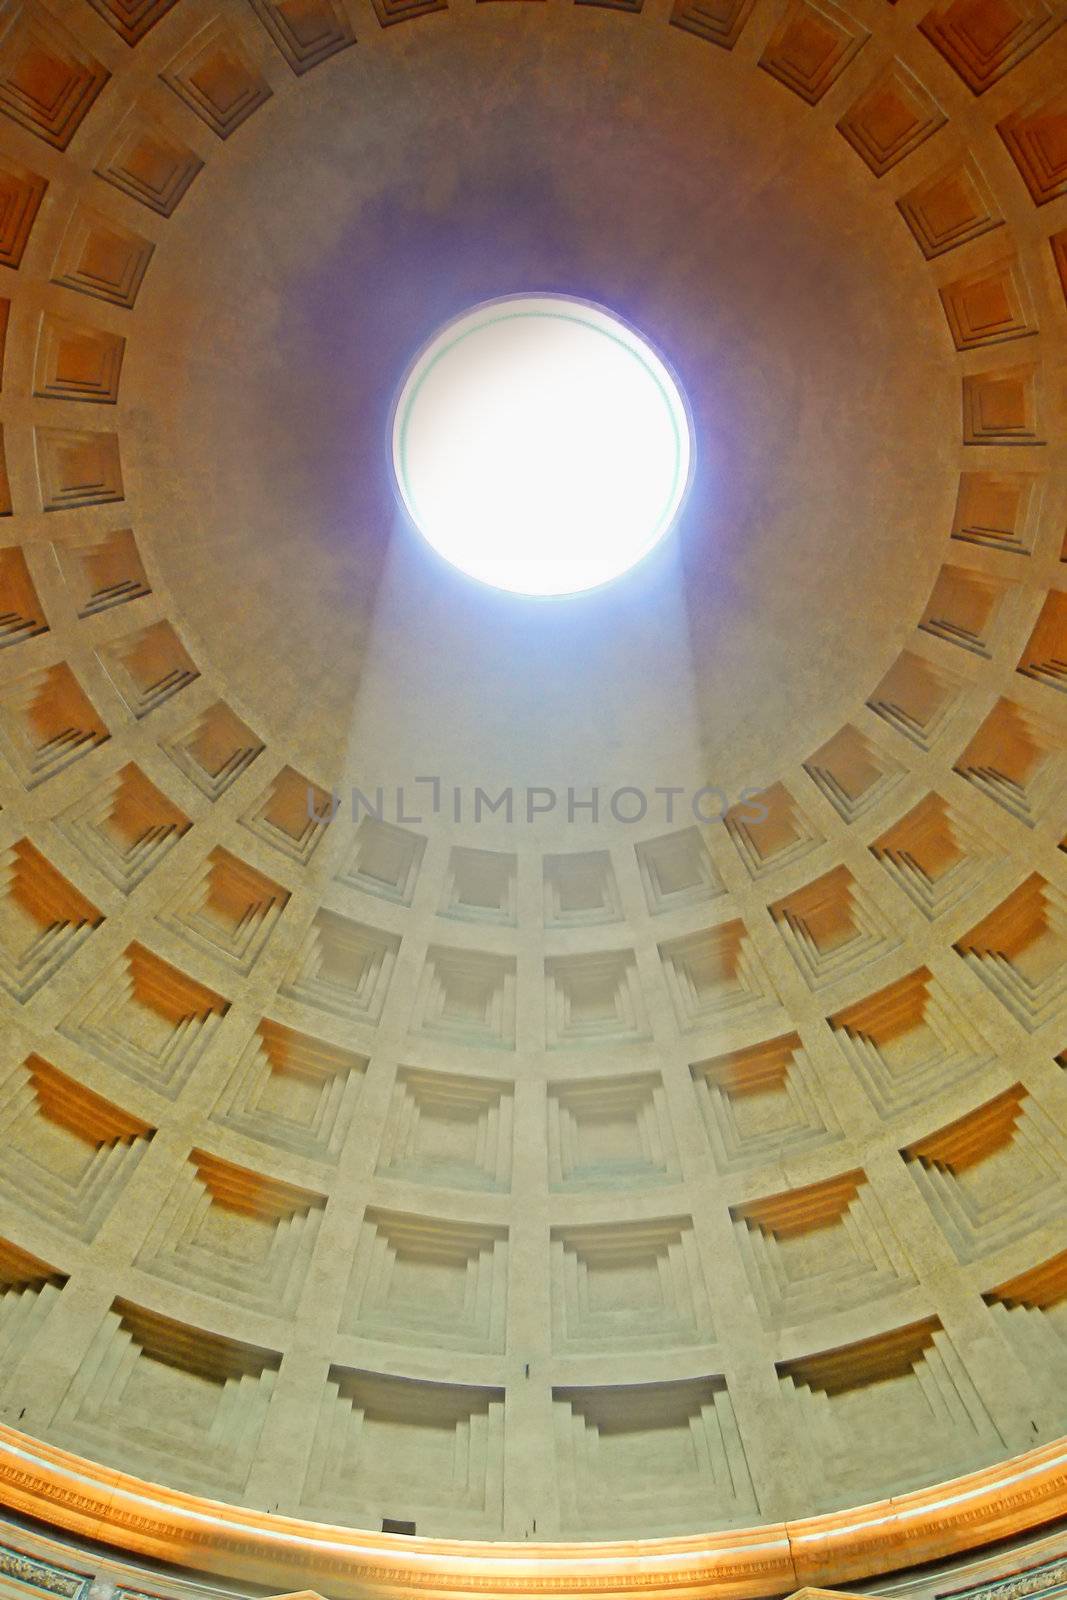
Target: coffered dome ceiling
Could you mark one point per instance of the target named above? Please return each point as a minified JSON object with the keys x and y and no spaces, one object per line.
{"x":562,"y":1178}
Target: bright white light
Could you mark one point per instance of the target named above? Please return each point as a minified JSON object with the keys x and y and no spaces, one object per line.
{"x":540,"y":445}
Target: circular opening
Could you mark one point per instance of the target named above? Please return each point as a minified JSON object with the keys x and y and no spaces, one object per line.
{"x":540,"y":445}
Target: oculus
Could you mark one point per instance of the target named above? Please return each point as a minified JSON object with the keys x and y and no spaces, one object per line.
{"x":541,"y":445}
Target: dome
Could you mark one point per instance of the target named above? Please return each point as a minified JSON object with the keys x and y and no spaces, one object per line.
{"x":562,"y":1073}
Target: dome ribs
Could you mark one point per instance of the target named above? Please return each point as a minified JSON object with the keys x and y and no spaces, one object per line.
{"x":610,"y":1133}
{"x":989,"y":306}
{"x":594,"y":999}
{"x":214,"y":76}
{"x":909,"y":1043}
{"x":763,"y":1102}
{"x":983,"y":40}
{"x":421,"y":1280}
{"x":832,"y":928}
{"x":147,"y":1019}
{"x":812,"y":46}
{"x":655,"y":1448}
{"x":826,"y":1244}
{"x":125,"y":826}
{"x":99,"y":258}
{"x":214,"y":750}
{"x":292,"y":1091}
{"x":48,"y":81}
{"x":628,"y":1286}
{"x":673,"y":1205}
{"x":449,"y":1131}
{"x":46,"y":722}
{"x":1020,"y":952}
{"x":891,"y":119}
{"x":936,"y":857}
{"x":171,"y":1399}
{"x":148,"y":667}
{"x":993,"y":1176}
{"x":21,"y":613}
{"x":68,"y":1153}
{"x":77,"y":467}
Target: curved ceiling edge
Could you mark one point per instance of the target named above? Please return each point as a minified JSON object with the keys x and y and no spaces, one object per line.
{"x":114,"y":1508}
